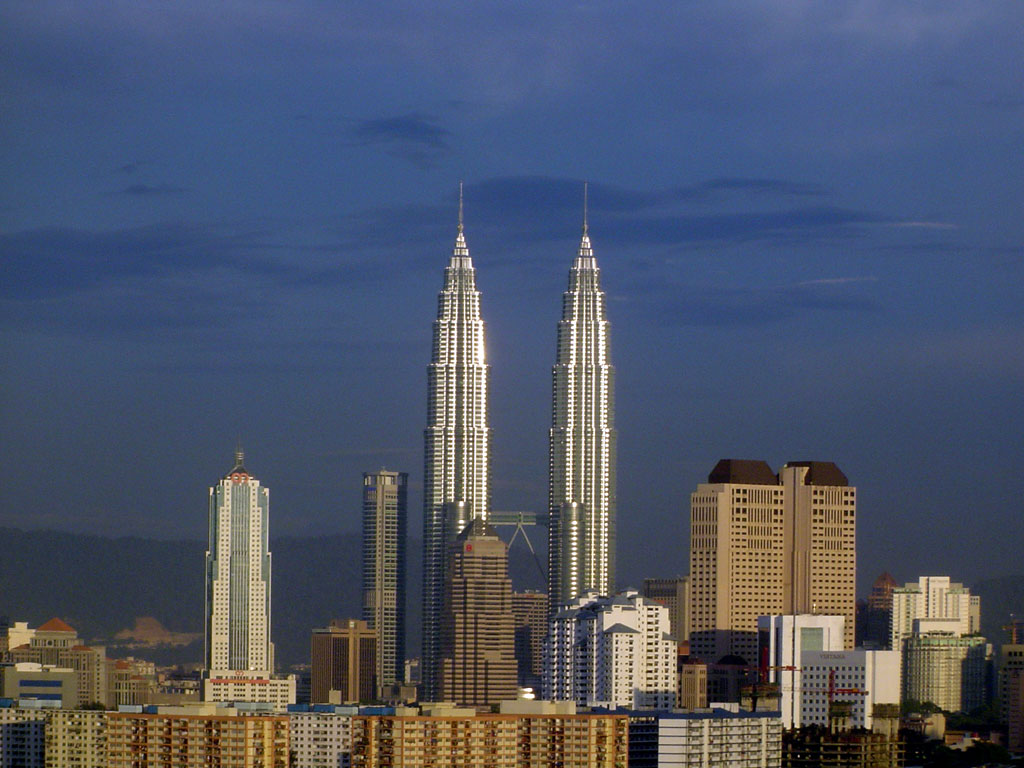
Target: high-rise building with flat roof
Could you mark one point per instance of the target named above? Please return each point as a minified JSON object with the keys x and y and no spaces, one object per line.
{"x":238,"y":574}
{"x":530,"y":611}
{"x":384,"y":535}
{"x":763,"y":544}
{"x":344,"y":659}
{"x":674,"y":594}
{"x":478,"y":663}
{"x":612,"y":651}
{"x":456,"y":477}
{"x":932,"y":599}
{"x":581,"y":487}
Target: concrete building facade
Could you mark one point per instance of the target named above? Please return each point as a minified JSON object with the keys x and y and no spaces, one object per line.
{"x":478,"y":662}
{"x":385,"y":513}
{"x":705,"y":739}
{"x":612,"y":651}
{"x":238,"y":574}
{"x":932,"y":598}
{"x":456,"y":462}
{"x":767,"y":544}
{"x":949,"y":670}
{"x":344,"y":659}
{"x":530,"y":614}
{"x":674,"y":594}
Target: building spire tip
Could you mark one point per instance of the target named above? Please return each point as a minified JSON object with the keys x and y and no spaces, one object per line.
{"x":585,"y":226}
{"x":460,"y":207}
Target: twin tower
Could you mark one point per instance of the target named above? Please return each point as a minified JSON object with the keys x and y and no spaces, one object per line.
{"x":581,"y":454}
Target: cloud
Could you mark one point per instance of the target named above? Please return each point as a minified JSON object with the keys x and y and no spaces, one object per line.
{"x":151,"y":190}
{"x":57,"y":261}
{"x":412,"y":137}
{"x":763,"y":305}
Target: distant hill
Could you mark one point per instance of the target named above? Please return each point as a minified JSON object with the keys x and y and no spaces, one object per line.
{"x":103,"y":587}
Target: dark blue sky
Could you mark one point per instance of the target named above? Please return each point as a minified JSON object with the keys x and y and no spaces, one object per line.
{"x":231,"y":219}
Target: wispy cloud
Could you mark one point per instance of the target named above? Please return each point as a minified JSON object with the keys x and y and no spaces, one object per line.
{"x":417,"y":138}
{"x":151,"y":190}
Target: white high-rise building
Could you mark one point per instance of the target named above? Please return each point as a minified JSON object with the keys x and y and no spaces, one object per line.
{"x":763,"y":544}
{"x":782,"y":640}
{"x":581,"y":487}
{"x":860,"y":678}
{"x":456,"y":483}
{"x":933,"y":600}
{"x":238,"y":575}
{"x":611,"y":651}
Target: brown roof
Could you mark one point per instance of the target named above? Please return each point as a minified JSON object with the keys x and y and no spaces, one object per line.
{"x":821,"y":472}
{"x":56,"y":625}
{"x":744,"y":472}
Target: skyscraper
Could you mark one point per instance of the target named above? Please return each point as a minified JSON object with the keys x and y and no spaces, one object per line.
{"x":765,"y":544}
{"x":581,"y":455}
{"x":478,"y":661}
{"x":343,"y":658}
{"x":384,"y":532}
{"x":456,"y":483}
{"x":238,"y":575}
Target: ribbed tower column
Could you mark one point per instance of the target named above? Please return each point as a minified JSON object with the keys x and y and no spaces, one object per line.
{"x":581,"y":488}
{"x":456,"y":467}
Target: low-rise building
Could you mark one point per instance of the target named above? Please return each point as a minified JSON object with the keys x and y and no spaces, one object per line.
{"x":252,"y":687}
{"x":712,"y":738}
{"x":197,"y":735}
{"x":76,"y":738}
{"x":321,"y":735}
{"x":22,"y":735}
{"x":524,"y":734}
{"x":29,"y":680}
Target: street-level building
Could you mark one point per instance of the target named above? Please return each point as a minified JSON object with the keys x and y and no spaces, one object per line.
{"x":714,"y":738}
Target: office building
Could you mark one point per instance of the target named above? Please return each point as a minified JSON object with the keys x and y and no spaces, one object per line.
{"x":238,"y":575}
{"x":28,"y":681}
{"x":456,"y":482}
{"x":56,"y":643}
{"x":384,"y":536}
{"x":1013,"y":693}
{"x":1011,"y":666}
{"x":612,"y":651}
{"x":344,"y":659}
{"x":862,"y":679}
{"x":763,"y":544}
{"x":874,"y":615}
{"x":713,"y":738}
{"x":241,"y":687}
{"x":581,"y":487}
{"x":782,"y":640}
{"x":478,"y":663}
{"x":530,"y":614}
{"x":933,"y":601}
{"x":692,"y":683}
{"x":674,"y":594}
{"x":948,"y":669}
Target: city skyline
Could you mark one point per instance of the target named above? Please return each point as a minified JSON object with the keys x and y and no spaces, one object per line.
{"x":808,"y":227}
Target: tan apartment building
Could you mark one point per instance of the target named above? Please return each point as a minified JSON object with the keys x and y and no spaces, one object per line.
{"x":76,"y":738}
{"x":766,"y":544}
{"x":523,"y":735}
{"x":184,"y":737}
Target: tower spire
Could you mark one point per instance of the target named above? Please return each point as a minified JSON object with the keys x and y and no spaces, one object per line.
{"x":585,"y":208}
{"x":461,"y":249}
{"x":585,"y":249}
